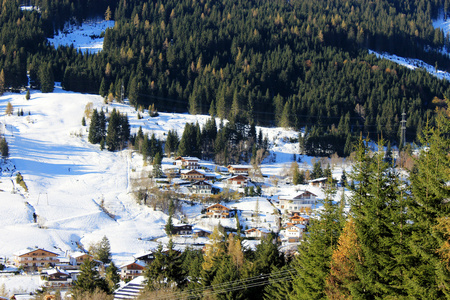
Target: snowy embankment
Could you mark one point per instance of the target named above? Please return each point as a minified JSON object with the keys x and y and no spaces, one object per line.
{"x":411,"y":63}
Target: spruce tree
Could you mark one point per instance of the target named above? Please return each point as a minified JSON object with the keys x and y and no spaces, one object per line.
{"x":27,"y":95}
{"x":112,"y":136}
{"x":378,"y":208}
{"x":4,"y":148}
{"x":112,"y":277}
{"x":157,"y":171}
{"x":2,"y":82}
{"x":428,"y":277}
{"x":312,"y":264}
{"x":88,"y":280}
{"x":93,"y":128}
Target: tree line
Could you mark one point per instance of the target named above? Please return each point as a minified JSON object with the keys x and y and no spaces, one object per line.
{"x":300,"y":64}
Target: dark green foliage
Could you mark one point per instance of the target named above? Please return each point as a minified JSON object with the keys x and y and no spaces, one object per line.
{"x":429,"y":278}
{"x":157,"y":171}
{"x":118,"y":131}
{"x":88,"y":280}
{"x":112,"y":277}
{"x":4,"y":148}
{"x":312,"y":264}
{"x":101,"y":250}
{"x":317,"y":171}
{"x":169,"y":226}
{"x":46,"y":78}
{"x":171,"y":144}
{"x":166,"y":269}
{"x":28,"y":96}
{"x":378,"y":208}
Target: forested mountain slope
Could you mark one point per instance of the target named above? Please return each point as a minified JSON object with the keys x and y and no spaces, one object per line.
{"x":295,"y":64}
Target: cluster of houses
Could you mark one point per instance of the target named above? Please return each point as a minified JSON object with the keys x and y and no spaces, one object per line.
{"x":198,"y":181}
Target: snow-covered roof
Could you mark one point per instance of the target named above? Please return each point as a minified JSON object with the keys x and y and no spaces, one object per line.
{"x":187,"y":158}
{"x":138,"y":262}
{"x":56,"y":271}
{"x":78,"y":254}
{"x":30,"y":250}
{"x":319,"y":179}
{"x":239,"y":166}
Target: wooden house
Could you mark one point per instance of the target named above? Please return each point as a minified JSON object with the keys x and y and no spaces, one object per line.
{"x":182,"y":229}
{"x":184,"y":162}
{"x":193,"y":175}
{"x":239,"y":169}
{"x":238,"y":181}
{"x":132,"y":270}
{"x":218,"y":211}
{"x":201,"y":188}
{"x":257,"y":233}
{"x":31,"y":259}
{"x":304,"y":200}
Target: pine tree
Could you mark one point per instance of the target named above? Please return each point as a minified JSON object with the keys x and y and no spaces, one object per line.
{"x":112,"y":277}
{"x":93,"y":128}
{"x":27,"y":95}
{"x":88,"y":280}
{"x":46,"y":78}
{"x":169,"y":226}
{"x":312,"y":265}
{"x":112,"y":136}
{"x":428,"y":278}
{"x":4,"y":148}
{"x":378,"y":207}
{"x":157,"y":171}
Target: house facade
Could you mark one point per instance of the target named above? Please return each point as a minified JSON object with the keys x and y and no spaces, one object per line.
{"x":201,"y":188}
{"x":56,"y":278}
{"x":218,"y":211}
{"x":239,"y":169}
{"x":192,"y":175}
{"x":238,"y":181}
{"x":184,"y":162}
{"x":294,"y":233}
{"x":257,"y":233}
{"x":79,"y":258}
{"x":32,"y":259}
{"x":132,"y":270}
{"x":182,"y":229}
{"x":303,"y":201}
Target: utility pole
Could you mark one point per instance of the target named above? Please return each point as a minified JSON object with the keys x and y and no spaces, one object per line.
{"x":403,"y":129}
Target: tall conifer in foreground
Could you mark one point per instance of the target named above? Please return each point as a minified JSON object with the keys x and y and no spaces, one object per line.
{"x":312,"y":264}
{"x":429,"y":277}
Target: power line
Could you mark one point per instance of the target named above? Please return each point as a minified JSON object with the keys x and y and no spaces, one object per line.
{"x":255,"y":281}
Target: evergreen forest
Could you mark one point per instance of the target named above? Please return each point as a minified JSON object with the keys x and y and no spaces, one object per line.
{"x":297,"y":64}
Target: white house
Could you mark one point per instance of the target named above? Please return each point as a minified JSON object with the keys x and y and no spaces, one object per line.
{"x":187,"y":162}
{"x":132,"y":270}
{"x":295,"y":232}
{"x":303,"y":200}
{"x":257,"y":233}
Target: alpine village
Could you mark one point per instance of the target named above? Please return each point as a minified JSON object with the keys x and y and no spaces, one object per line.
{"x":206,"y":149}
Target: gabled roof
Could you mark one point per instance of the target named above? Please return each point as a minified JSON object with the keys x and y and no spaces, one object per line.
{"x":193,"y":171}
{"x":31,"y":250}
{"x":239,"y":166}
{"x":56,"y":271}
{"x":202,"y":183}
{"x":217,"y":205}
{"x":260,"y":229}
{"x":238,"y":177}
{"x":187,"y":158}
{"x":321,"y":179}
{"x":80,"y":254}
{"x":298,"y":196}
{"x":143,"y":254}
{"x":137,"y":262}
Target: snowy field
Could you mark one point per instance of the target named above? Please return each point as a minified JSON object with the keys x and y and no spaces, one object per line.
{"x":85,"y":37}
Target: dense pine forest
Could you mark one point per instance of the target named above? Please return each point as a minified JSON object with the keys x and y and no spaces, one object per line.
{"x":299,"y":64}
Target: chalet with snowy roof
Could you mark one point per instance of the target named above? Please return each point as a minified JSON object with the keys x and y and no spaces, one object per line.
{"x":258,"y":233}
{"x":200,"y":232}
{"x":193,"y":175}
{"x":201,"y":188}
{"x":238,"y":181}
{"x":182,"y":229}
{"x":56,"y":278}
{"x":146,"y":258}
{"x":318,"y":182}
{"x":296,"y":218}
{"x":294,"y":233}
{"x":80,"y":257}
{"x":239,"y":169}
{"x":218,"y":211}
{"x":304,"y":200}
{"x":31,"y":259}
{"x":185,"y":162}
{"x":132,"y":270}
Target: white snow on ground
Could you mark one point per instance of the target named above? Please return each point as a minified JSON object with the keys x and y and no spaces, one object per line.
{"x":413,"y":64}
{"x":85,"y":37}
